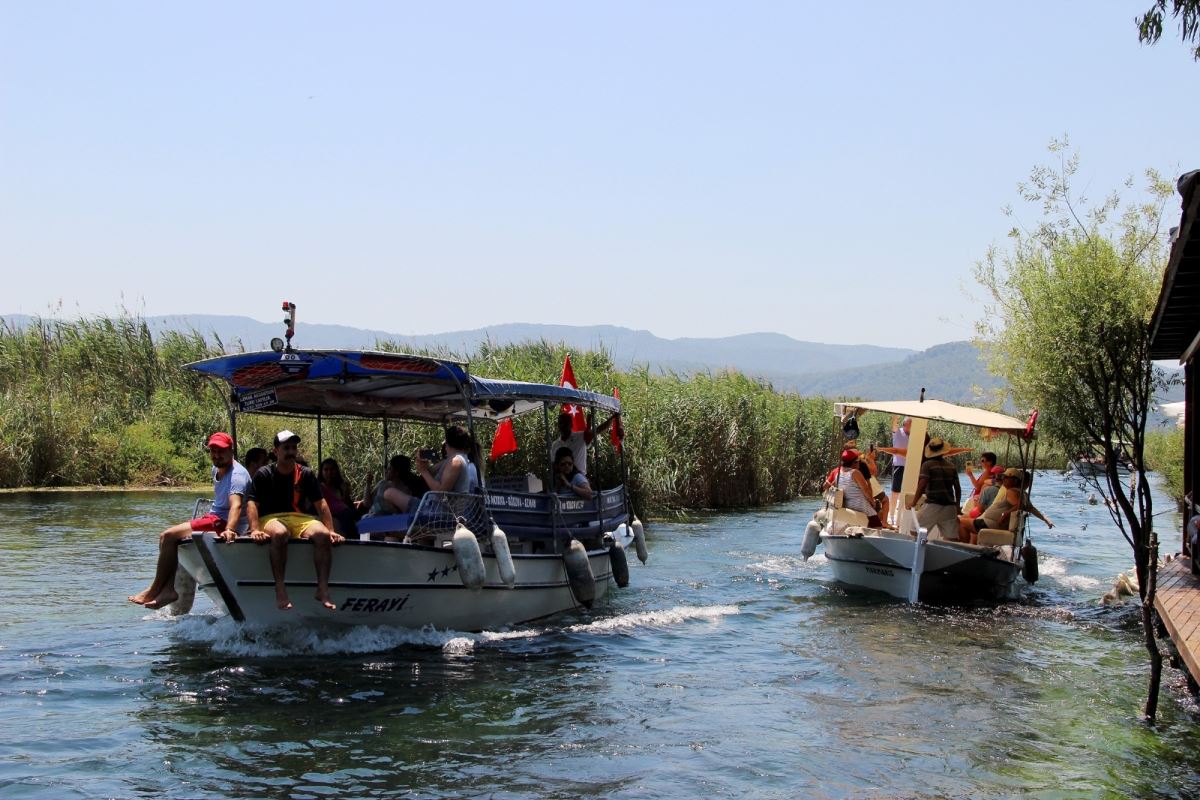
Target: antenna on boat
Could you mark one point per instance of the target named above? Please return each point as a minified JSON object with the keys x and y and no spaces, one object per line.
{"x":920,"y":399}
{"x":278,"y":344}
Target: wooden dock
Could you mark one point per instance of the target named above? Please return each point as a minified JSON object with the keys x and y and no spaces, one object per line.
{"x":1177,"y":602}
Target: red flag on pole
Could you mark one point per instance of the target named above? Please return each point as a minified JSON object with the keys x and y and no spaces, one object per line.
{"x":578,"y":423}
{"x":505,"y":441}
{"x":616,"y":431}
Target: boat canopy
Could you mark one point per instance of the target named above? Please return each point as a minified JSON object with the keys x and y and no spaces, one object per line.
{"x":941,"y":411}
{"x":343,"y":383}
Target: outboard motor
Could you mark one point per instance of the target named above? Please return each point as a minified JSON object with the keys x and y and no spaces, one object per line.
{"x":468,"y":557}
{"x":579,"y":573}
{"x":504,"y":561}
{"x":1030,"y":569}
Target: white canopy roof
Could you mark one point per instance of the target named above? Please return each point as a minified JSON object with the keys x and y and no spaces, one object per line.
{"x":942,"y":411}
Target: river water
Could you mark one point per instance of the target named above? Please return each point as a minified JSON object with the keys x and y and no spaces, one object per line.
{"x":728,"y":668}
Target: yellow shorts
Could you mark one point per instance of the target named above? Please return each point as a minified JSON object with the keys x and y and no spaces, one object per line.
{"x":297,"y":524}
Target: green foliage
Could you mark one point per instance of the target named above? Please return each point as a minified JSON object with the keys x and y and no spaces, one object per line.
{"x":1068,"y":323}
{"x":1150,"y":24}
{"x":1164,"y":455}
{"x":75,"y":393}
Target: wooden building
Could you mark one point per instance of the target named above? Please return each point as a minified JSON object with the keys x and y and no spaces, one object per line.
{"x":1175,"y":335}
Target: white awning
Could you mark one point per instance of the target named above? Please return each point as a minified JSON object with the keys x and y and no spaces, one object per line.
{"x":941,"y":411}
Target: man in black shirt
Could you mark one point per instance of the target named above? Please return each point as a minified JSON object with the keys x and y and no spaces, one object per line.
{"x":277,"y":493}
{"x":939,"y":484}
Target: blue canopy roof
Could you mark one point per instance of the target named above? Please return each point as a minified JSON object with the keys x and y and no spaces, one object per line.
{"x":374,"y":384}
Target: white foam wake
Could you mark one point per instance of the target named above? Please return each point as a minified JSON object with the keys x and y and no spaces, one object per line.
{"x":1056,"y":569}
{"x":226,"y":637}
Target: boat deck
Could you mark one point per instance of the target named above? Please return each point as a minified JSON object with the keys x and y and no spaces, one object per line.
{"x":1178,"y":604}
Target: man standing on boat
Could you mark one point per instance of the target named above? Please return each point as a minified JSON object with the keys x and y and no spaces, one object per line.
{"x":940,"y":487}
{"x":230,"y":482}
{"x":898,"y":449}
{"x":576,"y":441}
{"x":277,"y":493}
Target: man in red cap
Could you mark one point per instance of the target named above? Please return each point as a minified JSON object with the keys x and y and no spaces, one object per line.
{"x":231,"y":481}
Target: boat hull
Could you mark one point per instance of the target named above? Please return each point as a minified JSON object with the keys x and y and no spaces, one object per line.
{"x":952,"y":572}
{"x":384,"y":583}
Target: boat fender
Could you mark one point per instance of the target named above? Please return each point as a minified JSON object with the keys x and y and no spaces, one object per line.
{"x":1029,"y":570}
{"x":579,"y":573}
{"x":639,"y":539}
{"x":620,"y":564}
{"x":468,"y":558}
{"x":622,"y":533}
{"x":504,"y":559}
{"x":185,"y":587}
{"x":812,"y":535}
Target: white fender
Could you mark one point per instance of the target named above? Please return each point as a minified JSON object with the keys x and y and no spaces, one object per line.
{"x":812,"y":537}
{"x":468,"y":557}
{"x":620,"y":564}
{"x":504,"y":561}
{"x":185,"y":587}
{"x":579,"y":573}
{"x":639,"y":539}
{"x":622,"y":533}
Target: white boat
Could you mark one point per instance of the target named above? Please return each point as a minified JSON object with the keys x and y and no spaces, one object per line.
{"x":908,"y":562}
{"x":523,"y":555}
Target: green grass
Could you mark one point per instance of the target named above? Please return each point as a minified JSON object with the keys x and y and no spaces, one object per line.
{"x":99,"y":402}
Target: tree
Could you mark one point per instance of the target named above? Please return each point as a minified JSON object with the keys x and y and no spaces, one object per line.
{"x":1068,"y":318}
{"x":1150,"y":24}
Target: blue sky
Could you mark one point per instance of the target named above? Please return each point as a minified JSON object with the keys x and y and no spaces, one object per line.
{"x":826,"y":171}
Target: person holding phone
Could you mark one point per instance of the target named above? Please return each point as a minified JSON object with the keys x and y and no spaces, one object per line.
{"x":456,"y":472}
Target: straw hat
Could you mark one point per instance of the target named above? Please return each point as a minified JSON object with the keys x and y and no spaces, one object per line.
{"x":936,"y":448}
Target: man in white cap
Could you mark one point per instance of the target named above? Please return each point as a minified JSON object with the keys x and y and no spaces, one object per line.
{"x":230,"y":483}
{"x":277,"y":494}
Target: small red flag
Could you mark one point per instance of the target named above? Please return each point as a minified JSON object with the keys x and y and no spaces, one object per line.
{"x":616,"y":431}
{"x":578,"y":423}
{"x":505,"y":441}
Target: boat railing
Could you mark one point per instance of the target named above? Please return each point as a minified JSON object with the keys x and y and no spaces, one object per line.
{"x":534,"y":515}
{"x":440,"y":513}
{"x":203,"y":506}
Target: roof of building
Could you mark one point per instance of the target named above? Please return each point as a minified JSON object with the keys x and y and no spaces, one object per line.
{"x":1176,"y":321}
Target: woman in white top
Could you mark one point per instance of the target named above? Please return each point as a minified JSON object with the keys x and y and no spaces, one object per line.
{"x":856,"y":491}
{"x":456,"y":472}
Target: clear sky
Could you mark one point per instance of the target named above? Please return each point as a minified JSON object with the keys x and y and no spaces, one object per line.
{"x":824,"y":170}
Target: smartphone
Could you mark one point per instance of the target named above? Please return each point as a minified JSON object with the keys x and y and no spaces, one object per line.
{"x":429,"y":454}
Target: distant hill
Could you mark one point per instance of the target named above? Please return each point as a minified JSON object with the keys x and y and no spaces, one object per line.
{"x":951,"y":371}
{"x":752,"y":353}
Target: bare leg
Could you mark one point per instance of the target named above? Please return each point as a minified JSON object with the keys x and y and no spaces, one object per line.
{"x":322,"y":562}
{"x":168,"y":560}
{"x":279,"y":547}
{"x":397,"y":498}
{"x":892,"y":507}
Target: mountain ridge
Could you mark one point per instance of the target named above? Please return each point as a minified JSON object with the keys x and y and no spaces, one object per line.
{"x":950,"y":371}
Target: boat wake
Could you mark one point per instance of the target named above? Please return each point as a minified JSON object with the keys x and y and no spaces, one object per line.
{"x":224,"y":636}
{"x":1056,"y":570}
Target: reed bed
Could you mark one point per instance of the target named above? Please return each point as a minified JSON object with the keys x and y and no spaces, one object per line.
{"x":102,"y":402}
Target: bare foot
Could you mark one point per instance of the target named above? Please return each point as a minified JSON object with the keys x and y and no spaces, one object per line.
{"x":141,"y":597}
{"x":165,"y":598}
{"x":282,"y":602}
{"x":325,"y":601}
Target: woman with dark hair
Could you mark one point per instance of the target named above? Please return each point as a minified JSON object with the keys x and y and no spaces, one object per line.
{"x":398,"y":491}
{"x":567,"y":477}
{"x":856,"y":489}
{"x":456,"y":472}
{"x":337,"y":494}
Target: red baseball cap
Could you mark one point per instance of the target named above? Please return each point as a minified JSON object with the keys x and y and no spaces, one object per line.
{"x":221,"y":440}
{"x":849,"y":454}
{"x":997,"y":470}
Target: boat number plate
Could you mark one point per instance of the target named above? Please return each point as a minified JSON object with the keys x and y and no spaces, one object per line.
{"x":253,"y":401}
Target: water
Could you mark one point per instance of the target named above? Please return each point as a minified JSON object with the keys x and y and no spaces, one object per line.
{"x":729,"y":668}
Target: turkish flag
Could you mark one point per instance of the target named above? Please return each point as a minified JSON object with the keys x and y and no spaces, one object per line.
{"x":504,"y":442}
{"x":616,"y":432}
{"x":578,"y":423}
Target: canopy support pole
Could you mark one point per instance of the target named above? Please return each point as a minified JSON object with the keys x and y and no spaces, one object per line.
{"x":320,"y":444}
